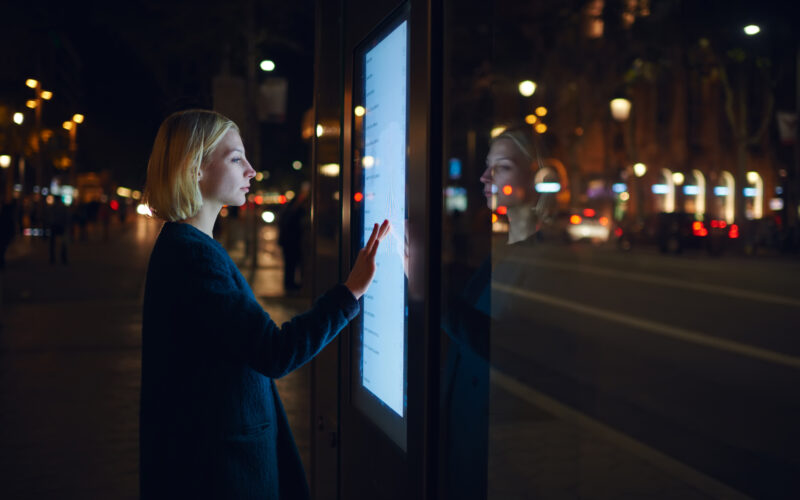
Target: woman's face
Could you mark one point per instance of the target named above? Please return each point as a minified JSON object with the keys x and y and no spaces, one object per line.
{"x":507,"y":175}
{"x":225,"y":176}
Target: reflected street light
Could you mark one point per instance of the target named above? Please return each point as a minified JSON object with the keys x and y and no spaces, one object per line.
{"x":620,"y":108}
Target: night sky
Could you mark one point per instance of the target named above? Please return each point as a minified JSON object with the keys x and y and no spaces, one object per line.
{"x":126,"y":65}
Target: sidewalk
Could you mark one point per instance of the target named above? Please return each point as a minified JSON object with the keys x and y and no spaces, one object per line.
{"x":70,"y":365}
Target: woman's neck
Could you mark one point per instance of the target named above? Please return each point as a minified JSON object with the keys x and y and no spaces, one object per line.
{"x":205,"y":218}
{"x":522,"y":223}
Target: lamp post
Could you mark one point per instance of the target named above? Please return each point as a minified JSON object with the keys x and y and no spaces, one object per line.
{"x":36,"y":105}
{"x":72,"y":127}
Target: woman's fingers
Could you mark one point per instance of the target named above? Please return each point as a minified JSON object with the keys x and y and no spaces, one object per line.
{"x":384,"y":230}
{"x":372,"y":237}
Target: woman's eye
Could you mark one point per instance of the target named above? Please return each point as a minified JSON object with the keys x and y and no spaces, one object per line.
{"x":236,"y":160}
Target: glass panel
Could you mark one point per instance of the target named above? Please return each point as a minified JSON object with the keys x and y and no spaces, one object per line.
{"x":619,"y":316}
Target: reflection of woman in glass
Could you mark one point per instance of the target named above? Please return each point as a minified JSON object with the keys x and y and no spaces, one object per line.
{"x":212,"y":424}
{"x":509,"y":182}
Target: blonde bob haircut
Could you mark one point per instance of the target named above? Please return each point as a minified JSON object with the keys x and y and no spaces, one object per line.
{"x":184,"y":141}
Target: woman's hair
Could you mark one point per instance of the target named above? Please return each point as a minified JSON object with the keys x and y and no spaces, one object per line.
{"x":184,"y":141}
{"x":523,"y":139}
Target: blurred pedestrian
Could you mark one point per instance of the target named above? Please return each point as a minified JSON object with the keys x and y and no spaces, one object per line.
{"x":57,"y":220}
{"x":212,"y":424}
{"x":7,"y":215}
{"x":290,"y":237}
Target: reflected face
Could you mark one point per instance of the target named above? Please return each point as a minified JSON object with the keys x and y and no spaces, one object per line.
{"x":225,"y":176}
{"x":508,"y":175}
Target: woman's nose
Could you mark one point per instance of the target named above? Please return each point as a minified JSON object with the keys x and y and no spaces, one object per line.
{"x":486,"y":176}
{"x":251,"y":172}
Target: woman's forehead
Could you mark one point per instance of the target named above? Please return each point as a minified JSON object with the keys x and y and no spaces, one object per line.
{"x":504,"y":149}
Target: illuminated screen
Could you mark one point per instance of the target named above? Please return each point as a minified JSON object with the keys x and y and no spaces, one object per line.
{"x":383,"y":163}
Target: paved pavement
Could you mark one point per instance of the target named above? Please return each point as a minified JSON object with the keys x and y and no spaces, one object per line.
{"x":70,"y":364}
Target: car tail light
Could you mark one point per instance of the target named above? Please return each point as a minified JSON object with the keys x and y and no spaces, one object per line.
{"x":699,"y":229}
{"x":575,"y":219}
{"x":502,"y":210}
{"x":588,"y":212}
{"x":603,"y":221}
{"x":733,"y":232}
{"x":618,"y":232}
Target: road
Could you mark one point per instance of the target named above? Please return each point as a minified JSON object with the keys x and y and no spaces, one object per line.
{"x":692,"y":358}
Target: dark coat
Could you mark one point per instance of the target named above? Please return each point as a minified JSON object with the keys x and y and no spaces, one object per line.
{"x":212,"y":424}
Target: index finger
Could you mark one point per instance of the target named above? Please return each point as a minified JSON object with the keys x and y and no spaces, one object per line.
{"x":372,"y":237}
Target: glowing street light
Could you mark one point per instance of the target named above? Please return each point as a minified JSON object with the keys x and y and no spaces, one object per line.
{"x":752,"y":29}
{"x":47,"y":95}
{"x":31,"y":103}
{"x":541,"y":111}
{"x":19,"y":118}
{"x":360,"y":111}
{"x":527,"y":88}
{"x":678,"y":178}
{"x":620,"y":108}
{"x":267,"y":65}
{"x":68,"y":125}
{"x":639,"y":169}
{"x":30,"y":82}
{"x":5,"y":161}
{"x":77,"y":118}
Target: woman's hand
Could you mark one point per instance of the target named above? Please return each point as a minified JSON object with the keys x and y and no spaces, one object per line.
{"x":364,"y":269}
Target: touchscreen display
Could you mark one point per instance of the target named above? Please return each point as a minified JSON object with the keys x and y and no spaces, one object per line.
{"x":384,"y":197}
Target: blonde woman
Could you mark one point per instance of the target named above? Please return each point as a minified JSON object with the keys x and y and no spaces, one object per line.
{"x":212,"y":424}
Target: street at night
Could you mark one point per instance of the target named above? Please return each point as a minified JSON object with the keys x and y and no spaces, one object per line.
{"x":694,"y":357}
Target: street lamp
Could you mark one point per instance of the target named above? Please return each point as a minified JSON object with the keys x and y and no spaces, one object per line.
{"x":620,"y":108}
{"x":72,"y":127}
{"x":267,"y":65}
{"x":5,"y":161}
{"x":752,"y":29}
{"x":19,"y":118}
{"x":639,"y":169}
{"x":527,"y":88}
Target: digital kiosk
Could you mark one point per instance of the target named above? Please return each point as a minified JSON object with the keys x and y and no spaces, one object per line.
{"x":379,"y":186}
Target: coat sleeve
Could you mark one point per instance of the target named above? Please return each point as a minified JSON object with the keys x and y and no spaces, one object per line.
{"x":230,"y":320}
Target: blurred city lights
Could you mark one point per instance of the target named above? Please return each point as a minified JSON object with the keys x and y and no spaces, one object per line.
{"x":721,"y":190}
{"x":358,"y":197}
{"x":329,"y":169}
{"x":527,"y":88}
{"x":30,"y":82}
{"x":259,"y":199}
{"x":50,"y":199}
{"x":589,"y":212}
{"x":620,"y":108}
{"x":31,"y":103}
{"x":575,"y":219}
{"x":541,"y":111}
{"x":548,"y":187}
{"x":143,"y":209}
{"x":282,"y":199}
{"x":19,"y":118}
{"x":507,"y":190}
{"x":268,"y":217}
{"x":77,"y":118}
{"x":320,"y":130}
{"x":579,"y":131}
{"x":691,"y":190}
{"x":359,"y":111}
{"x":749,"y":192}
{"x":752,"y":29}
{"x":259,"y":176}
{"x":368,"y":161}
{"x":502,"y":210}
{"x":624,"y":196}
{"x":660,"y":189}
{"x":541,"y":128}
{"x":497,"y":131}
{"x":123,"y":192}
{"x":752,"y":177}
{"x":68,"y":125}
{"x":297,"y":165}
{"x":267,"y":65}
{"x":619,"y":187}
{"x":290,"y":195}
{"x":5,"y":161}
{"x":639,"y":169}
{"x":603,"y":221}
{"x":47,"y":95}
{"x":114,"y":204}
{"x":494,"y":218}
{"x":530,"y":119}
{"x":136,"y":195}
{"x":678,"y":178}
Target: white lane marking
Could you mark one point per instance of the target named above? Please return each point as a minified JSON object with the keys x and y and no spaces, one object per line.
{"x":657,"y":328}
{"x":702,"y":482}
{"x":657,"y":280}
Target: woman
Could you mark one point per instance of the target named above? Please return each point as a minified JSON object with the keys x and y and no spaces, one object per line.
{"x":212,"y":424}
{"x":512,"y":168}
